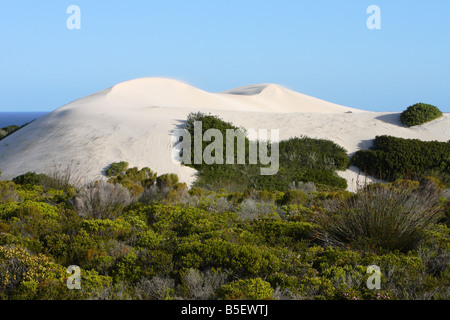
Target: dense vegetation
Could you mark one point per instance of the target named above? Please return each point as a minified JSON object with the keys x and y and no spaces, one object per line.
{"x":6,"y":131}
{"x":301,"y":160}
{"x":295,"y":235}
{"x":169,"y":242}
{"x":393,"y":158}
{"x":419,"y":113}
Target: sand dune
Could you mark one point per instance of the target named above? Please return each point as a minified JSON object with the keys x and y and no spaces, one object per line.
{"x":133,"y":121}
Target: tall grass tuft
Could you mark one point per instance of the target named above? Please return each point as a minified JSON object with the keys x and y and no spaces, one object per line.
{"x":381,"y":217}
{"x":62,"y":177}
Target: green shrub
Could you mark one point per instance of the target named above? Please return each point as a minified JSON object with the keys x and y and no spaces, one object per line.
{"x":135,"y":180}
{"x":168,"y":180}
{"x":300,"y":159}
{"x":118,"y":228}
{"x":57,"y":180}
{"x":9,"y":130}
{"x":8,"y":192}
{"x":419,"y":113}
{"x":27,"y":276}
{"x":250,"y":289}
{"x":294,"y":197}
{"x":116,"y":168}
{"x":29,"y":178}
{"x":9,"y":210}
{"x":282,"y":233}
{"x":394,"y":158}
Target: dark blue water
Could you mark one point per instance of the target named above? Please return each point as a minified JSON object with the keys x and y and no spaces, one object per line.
{"x":18,"y":118}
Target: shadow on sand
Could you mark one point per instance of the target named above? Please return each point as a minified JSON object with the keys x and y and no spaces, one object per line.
{"x":392,"y":118}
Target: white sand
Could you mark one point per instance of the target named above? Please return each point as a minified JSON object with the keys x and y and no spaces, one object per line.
{"x":133,"y":121}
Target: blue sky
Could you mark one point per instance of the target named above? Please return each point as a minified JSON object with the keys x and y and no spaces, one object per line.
{"x":321,"y":48}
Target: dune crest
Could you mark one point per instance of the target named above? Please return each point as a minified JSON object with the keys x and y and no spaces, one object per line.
{"x":249,"y":90}
{"x":132,"y":121}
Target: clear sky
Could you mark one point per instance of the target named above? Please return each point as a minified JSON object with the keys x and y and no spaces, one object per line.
{"x":322,"y":48}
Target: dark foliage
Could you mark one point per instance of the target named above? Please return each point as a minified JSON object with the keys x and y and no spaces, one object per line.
{"x":419,"y":113}
{"x":301,"y":159}
{"x":393,"y":158}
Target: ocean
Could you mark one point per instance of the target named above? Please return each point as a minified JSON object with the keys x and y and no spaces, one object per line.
{"x":18,"y":118}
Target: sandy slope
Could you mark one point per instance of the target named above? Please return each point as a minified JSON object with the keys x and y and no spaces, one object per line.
{"x":133,"y":121}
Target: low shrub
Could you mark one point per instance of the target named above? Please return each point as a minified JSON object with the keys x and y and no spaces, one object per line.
{"x":394,"y":158}
{"x":200,"y":285}
{"x":249,"y":289}
{"x":135,"y":180}
{"x":419,"y":113}
{"x":9,"y":130}
{"x":102,"y":200}
{"x":29,"y":178}
{"x":116,"y":168}
{"x":8,"y":192}
{"x":168,"y":180}
{"x":294,"y":197}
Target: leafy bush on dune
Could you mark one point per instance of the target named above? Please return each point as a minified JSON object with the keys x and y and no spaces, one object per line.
{"x":301,"y":159}
{"x":419,"y":113}
{"x":146,"y":184}
{"x":394,"y":158}
{"x":134,"y":179}
{"x":116,"y":168}
{"x":29,"y":178}
{"x":9,"y":130}
{"x":167,"y":180}
{"x":59,"y":178}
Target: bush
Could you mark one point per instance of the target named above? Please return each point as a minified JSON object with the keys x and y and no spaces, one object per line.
{"x":300,"y":159}
{"x":381,"y":218}
{"x":156,"y":288}
{"x":251,"y":209}
{"x":58,"y":179}
{"x":116,"y":168}
{"x":8,"y":192}
{"x":394,"y":158}
{"x":9,"y":130}
{"x":135,"y":180}
{"x":250,"y":289}
{"x":419,"y":113}
{"x":306,"y":187}
{"x":27,"y":208}
{"x":202,"y":285}
{"x":102,"y":200}
{"x":29,"y":178}
{"x":282,"y":233}
{"x":27,"y":276}
{"x":294,"y":197}
{"x":168,"y":180}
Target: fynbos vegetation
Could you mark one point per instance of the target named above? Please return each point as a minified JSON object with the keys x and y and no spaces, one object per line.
{"x":168,"y":242}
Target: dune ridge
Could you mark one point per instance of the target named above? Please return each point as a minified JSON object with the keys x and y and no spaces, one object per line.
{"x":133,"y":121}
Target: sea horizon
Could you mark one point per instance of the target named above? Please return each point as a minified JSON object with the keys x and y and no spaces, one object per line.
{"x":19,"y":118}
